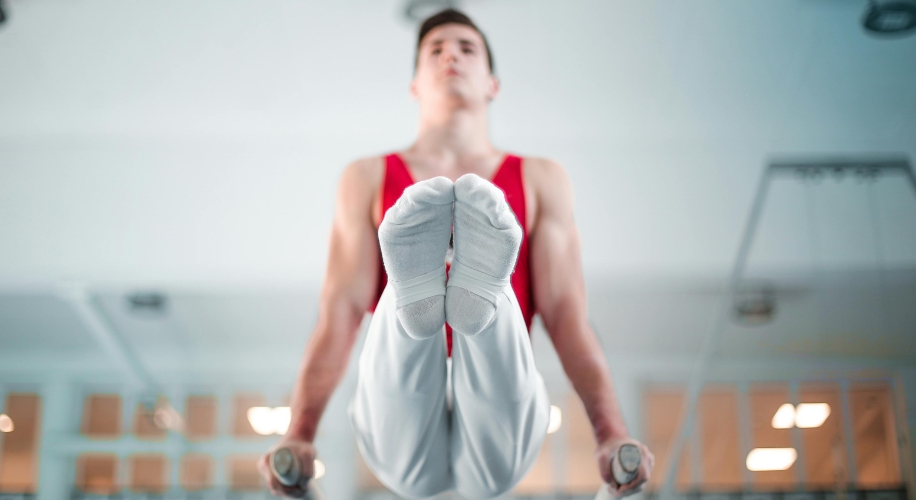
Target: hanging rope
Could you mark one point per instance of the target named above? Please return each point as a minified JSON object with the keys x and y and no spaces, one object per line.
{"x":811,"y":177}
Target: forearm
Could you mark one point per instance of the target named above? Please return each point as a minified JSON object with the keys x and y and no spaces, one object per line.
{"x":324,"y":364}
{"x":585,"y":365}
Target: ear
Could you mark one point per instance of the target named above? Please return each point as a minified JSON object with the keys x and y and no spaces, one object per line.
{"x":413,"y":89}
{"x":494,"y":88}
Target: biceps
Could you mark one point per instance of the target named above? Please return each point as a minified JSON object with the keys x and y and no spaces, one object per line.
{"x":353,"y":268}
{"x":557,"y":272}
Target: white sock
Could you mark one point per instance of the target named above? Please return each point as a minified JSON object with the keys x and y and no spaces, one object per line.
{"x":414,"y":237}
{"x":487,"y":239}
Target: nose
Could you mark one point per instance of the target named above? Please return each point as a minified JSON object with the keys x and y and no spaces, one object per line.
{"x":449,"y":53}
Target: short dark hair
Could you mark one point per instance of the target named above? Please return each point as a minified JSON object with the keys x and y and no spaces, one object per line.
{"x":451,"y":16}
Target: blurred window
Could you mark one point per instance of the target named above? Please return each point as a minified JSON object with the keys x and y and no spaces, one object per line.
{"x":200,"y":417}
{"x":144,"y":425}
{"x":365,"y":477}
{"x":242,"y":402}
{"x":102,"y":416}
{"x":97,"y":473}
{"x":581,"y":468}
{"x":814,"y":427}
{"x":196,"y":472}
{"x":148,"y":473}
{"x":824,"y":446}
{"x":662,"y":409}
{"x":19,"y":452}
{"x":717,"y":415}
{"x":763,"y":402}
{"x":876,"y":456}
{"x":243,"y":473}
{"x":541,"y":478}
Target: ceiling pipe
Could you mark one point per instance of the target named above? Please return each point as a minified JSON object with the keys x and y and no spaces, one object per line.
{"x":113,"y":344}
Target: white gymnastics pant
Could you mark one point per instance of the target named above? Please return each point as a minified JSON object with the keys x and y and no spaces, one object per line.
{"x":415,"y":444}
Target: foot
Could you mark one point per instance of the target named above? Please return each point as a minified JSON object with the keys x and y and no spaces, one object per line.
{"x":487,"y":239}
{"x":414,"y":237}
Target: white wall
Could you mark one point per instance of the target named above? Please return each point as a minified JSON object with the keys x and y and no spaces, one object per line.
{"x":201,"y":142}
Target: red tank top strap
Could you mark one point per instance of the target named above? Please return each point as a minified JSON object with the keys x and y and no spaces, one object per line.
{"x":510,"y":179}
{"x":396,"y":179}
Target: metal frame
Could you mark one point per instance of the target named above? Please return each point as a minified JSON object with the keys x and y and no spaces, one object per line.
{"x":866,"y":168}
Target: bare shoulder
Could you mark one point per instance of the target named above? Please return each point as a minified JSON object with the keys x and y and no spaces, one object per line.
{"x":363,"y":174}
{"x":543,"y":166}
{"x":359,"y":185}
{"x":548,"y":181}
{"x":546,"y":176}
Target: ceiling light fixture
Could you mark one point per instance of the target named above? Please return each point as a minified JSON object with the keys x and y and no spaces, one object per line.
{"x":266,"y":421}
{"x":6,"y":423}
{"x":320,"y":469}
{"x":784,"y":417}
{"x":892,"y":18}
{"x":810,"y":415}
{"x":418,"y":10}
{"x":765,"y":459}
{"x":556,"y":419}
{"x":804,"y":416}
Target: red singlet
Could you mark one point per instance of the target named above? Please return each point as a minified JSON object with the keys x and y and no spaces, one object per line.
{"x":508,"y":177}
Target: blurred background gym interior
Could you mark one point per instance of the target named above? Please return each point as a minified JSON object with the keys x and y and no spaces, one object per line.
{"x":744,"y":193}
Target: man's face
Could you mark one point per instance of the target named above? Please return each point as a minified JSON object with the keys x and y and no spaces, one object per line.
{"x":452,"y":62}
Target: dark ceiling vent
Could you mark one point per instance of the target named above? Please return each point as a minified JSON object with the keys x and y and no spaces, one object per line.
{"x":891,"y":18}
{"x":755,"y":305}
{"x":148,"y":303}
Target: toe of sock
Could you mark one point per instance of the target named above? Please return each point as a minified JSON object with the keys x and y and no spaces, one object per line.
{"x":472,"y":189}
{"x":438,"y":191}
{"x":486,"y":199}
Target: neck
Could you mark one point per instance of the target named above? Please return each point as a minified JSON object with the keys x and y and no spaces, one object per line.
{"x":453,"y":134}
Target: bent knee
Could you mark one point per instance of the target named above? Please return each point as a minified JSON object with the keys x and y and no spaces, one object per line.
{"x":412,"y":479}
{"x":417,"y":489}
{"x":486,"y":491}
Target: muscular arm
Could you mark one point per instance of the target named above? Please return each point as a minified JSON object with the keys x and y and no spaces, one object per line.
{"x":559,"y":293}
{"x":349,"y":287}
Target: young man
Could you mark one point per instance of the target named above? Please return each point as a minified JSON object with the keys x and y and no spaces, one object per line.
{"x":515,"y":250}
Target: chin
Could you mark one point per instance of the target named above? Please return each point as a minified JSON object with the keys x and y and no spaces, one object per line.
{"x":460,"y":95}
